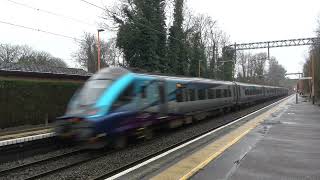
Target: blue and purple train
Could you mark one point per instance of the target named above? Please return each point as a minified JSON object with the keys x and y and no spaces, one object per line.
{"x":116,"y":103}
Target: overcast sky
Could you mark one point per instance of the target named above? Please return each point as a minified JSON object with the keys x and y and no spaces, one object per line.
{"x":243,"y":20}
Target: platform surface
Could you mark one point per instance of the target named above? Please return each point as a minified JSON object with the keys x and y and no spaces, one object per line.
{"x":286,"y":145}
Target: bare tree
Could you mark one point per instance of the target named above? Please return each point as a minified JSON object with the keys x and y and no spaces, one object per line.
{"x":212,"y":38}
{"x":259,"y":64}
{"x":111,"y":55}
{"x":26,"y":55}
{"x":252,"y":68}
{"x":276,"y":72}
{"x":87,"y":54}
{"x":9,"y":53}
{"x":243,"y":66}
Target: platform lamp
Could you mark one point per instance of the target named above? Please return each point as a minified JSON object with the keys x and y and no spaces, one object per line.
{"x":99,"y":49}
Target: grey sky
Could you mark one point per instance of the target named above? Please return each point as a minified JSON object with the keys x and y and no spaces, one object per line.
{"x":243,"y":20}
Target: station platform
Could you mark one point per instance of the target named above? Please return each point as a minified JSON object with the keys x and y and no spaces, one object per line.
{"x":9,"y":137}
{"x":282,"y":143}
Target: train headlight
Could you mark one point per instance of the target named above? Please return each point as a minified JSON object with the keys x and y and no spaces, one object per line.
{"x":92,"y":112}
{"x":84,"y":130}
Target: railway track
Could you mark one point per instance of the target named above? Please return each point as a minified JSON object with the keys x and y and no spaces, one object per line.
{"x":65,"y":162}
{"x":75,"y":158}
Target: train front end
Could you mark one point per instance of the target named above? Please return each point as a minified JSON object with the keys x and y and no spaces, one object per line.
{"x":88,"y":116}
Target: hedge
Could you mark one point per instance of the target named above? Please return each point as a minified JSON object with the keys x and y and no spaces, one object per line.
{"x":31,"y":102}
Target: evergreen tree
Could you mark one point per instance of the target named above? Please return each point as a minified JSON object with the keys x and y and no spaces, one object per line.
{"x":142,"y":34}
{"x":198,"y":63}
{"x":177,"y":51}
{"x":226,"y":64}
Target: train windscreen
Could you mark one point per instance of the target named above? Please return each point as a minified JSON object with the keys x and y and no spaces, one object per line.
{"x":92,"y":90}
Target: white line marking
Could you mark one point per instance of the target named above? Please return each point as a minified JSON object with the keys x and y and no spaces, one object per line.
{"x":26,"y":139}
{"x":187,"y":143}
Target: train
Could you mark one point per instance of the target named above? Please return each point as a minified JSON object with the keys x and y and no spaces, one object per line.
{"x":116,"y":103}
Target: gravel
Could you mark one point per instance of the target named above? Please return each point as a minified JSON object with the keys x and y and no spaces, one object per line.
{"x":18,"y":160}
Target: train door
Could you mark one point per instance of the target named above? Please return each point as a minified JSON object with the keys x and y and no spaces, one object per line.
{"x":234,"y":94}
{"x":237,"y":93}
{"x":153,"y":98}
{"x":163,"y":104}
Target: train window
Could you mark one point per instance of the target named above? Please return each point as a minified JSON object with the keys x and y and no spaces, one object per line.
{"x":229,"y":93}
{"x":192,"y":94}
{"x":143,"y":92}
{"x":179,"y":95}
{"x":125,"y":97}
{"x":162,"y":93}
{"x":185,"y":95}
{"x":225,"y":93}
{"x":201,"y":94}
{"x":211,"y":93}
{"x":218,"y":93}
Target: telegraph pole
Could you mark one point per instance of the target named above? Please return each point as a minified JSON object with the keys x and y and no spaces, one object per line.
{"x":313,"y":77}
{"x":235,"y":61}
{"x":99,"y":49}
{"x":199,"y":68}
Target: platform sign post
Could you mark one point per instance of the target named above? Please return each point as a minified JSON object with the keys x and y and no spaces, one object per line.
{"x":297,"y":91}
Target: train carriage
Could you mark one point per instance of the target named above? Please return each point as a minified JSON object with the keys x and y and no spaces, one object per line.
{"x":117,"y":103}
{"x":249,"y":93}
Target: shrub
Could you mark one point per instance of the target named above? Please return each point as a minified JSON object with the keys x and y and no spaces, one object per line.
{"x":26,"y":102}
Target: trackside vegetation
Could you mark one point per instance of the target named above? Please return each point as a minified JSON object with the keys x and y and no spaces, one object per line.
{"x":33,"y":102}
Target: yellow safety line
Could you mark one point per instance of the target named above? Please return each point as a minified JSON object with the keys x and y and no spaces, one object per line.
{"x":213,"y":156}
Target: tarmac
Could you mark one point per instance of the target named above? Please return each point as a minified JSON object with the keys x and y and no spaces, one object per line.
{"x":286,"y":145}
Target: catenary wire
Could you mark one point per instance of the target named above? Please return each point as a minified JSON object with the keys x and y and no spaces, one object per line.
{"x":51,"y":13}
{"x":40,"y":30}
{"x":146,"y":26}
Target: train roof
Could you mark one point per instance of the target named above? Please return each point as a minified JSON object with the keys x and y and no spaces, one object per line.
{"x":256,"y":85}
{"x":186,"y":79}
{"x":248,"y":84}
{"x":114,"y":72}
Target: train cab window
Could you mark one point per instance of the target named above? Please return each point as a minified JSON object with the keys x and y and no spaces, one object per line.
{"x":192,"y":94}
{"x":127,"y":94}
{"x":218,"y":93}
{"x":201,"y":94}
{"x":125,"y":97}
{"x":92,"y":90}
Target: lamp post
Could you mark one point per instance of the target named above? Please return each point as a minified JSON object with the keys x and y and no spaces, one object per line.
{"x":99,"y":49}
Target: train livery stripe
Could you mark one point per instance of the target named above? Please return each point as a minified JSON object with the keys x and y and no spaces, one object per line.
{"x":111,"y":94}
